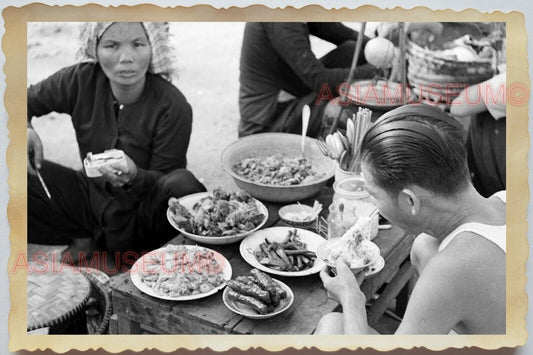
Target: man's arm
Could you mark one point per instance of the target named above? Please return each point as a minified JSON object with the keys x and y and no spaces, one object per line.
{"x":440,"y":298}
{"x":291,"y":42}
{"x":489,"y":96}
{"x":333,"y":32}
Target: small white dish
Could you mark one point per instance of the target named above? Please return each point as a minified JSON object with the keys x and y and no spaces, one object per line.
{"x":298,"y":215}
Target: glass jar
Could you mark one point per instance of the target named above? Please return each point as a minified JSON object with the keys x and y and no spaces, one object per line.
{"x":354,"y":198}
{"x":339,"y":220}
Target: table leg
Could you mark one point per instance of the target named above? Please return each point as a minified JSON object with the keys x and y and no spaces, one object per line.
{"x":127,"y":326}
{"x":389,"y":293}
{"x":403,"y":297}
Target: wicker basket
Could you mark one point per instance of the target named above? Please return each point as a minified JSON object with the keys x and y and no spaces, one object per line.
{"x":99,"y":306}
{"x":57,"y":299}
{"x":440,"y":80}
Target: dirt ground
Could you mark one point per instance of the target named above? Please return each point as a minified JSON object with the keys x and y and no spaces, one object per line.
{"x":208,"y":75}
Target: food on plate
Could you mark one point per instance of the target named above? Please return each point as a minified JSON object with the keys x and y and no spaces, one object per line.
{"x":220,"y":214}
{"x":354,"y":247}
{"x":277,"y":169}
{"x":180,"y":270}
{"x":257,"y":291}
{"x":288,"y":255}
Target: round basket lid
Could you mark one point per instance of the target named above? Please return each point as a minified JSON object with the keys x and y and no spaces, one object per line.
{"x":55,"y":293}
{"x":377,"y":94}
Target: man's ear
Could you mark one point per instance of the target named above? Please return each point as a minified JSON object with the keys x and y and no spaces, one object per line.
{"x":409,"y":201}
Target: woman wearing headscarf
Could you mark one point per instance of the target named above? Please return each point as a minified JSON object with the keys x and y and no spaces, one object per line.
{"x":119,"y":96}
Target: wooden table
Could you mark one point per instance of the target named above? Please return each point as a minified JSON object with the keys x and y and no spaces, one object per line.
{"x":137,"y":313}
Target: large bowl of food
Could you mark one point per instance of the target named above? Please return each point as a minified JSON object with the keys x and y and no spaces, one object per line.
{"x":217,"y":217}
{"x":271,"y":167}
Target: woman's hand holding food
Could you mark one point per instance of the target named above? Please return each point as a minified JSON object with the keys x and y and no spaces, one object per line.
{"x":35,"y":151}
{"x":118,"y":175}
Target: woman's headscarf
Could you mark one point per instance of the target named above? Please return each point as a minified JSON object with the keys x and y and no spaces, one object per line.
{"x":162,"y":61}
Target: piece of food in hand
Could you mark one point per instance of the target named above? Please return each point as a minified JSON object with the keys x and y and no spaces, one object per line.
{"x":252,"y":302}
{"x":93,"y":162}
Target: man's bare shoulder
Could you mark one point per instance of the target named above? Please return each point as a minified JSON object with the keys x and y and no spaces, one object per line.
{"x":469,"y":254}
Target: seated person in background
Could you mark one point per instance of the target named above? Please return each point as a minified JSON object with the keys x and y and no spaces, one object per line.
{"x":414,"y":165}
{"x":279,"y":74}
{"x":485,"y":103}
{"x":119,"y":96}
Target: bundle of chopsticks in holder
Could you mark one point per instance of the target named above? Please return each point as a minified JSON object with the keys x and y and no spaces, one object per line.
{"x":346,"y":148}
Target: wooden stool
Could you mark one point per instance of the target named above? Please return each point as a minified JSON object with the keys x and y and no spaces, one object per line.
{"x":57,"y":295}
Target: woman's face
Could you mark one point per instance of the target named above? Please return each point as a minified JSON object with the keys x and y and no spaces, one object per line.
{"x":124,"y":53}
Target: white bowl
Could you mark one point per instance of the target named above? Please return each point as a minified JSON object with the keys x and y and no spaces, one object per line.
{"x":290,"y":215}
{"x":323,"y":251}
{"x":267,"y":144}
{"x":248,"y":312}
{"x":189,"y":201}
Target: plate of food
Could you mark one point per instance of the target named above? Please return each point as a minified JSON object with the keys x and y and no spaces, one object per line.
{"x":257,"y":295}
{"x":219,"y":217}
{"x":283,"y":251}
{"x":181,"y":272}
{"x":355,"y":248}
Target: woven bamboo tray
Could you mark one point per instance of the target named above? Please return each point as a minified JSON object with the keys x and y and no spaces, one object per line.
{"x":56,"y":299}
{"x":439,"y":79}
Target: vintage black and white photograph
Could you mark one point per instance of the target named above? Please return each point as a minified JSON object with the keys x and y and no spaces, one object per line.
{"x":280,"y":178}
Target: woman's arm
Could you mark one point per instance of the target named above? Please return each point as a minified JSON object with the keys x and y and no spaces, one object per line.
{"x":169,"y":147}
{"x":53,"y":94}
{"x":56,"y":93}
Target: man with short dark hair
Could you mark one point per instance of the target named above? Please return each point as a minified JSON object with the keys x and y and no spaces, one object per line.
{"x":414,"y":165}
